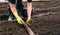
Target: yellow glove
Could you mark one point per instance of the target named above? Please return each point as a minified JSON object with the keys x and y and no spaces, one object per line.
{"x":29,"y":22}
{"x":19,"y":19}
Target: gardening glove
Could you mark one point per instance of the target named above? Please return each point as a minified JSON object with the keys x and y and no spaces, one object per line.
{"x":29,"y":21}
{"x":18,"y":18}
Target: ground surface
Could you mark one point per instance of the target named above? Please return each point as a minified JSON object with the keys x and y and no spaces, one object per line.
{"x":42,"y":25}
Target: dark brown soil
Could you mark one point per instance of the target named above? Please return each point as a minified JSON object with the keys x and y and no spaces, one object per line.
{"x":42,"y":25}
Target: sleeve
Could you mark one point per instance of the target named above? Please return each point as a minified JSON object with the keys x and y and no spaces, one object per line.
{"x":29,"y":0}
{"x":12,"y":1}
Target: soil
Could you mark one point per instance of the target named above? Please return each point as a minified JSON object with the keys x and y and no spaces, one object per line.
{"x":42,"y":25}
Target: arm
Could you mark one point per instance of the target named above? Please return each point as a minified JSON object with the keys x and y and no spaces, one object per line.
{"x":29,"y":10}
{"x":14,"y":11}
{"x":13,"y":7}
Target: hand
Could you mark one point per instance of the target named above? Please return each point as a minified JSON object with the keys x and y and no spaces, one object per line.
{"x":18,"y":18}
{"x":20,"y":21}
{"x":29,"y":21}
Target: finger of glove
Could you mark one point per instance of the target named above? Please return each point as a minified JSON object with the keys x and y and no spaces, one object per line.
{"x":20,"y":21}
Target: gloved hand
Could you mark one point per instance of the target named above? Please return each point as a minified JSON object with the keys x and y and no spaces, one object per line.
{"x":29,"y":21}
{"x":19,"y":19}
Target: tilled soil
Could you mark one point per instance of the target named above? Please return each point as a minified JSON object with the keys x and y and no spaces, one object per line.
{"x":42,"y":25}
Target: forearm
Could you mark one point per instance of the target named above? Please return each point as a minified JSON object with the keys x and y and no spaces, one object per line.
{"x":13,"y":9}
{"x":29,"y":9}
{"x":12,"y":6}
